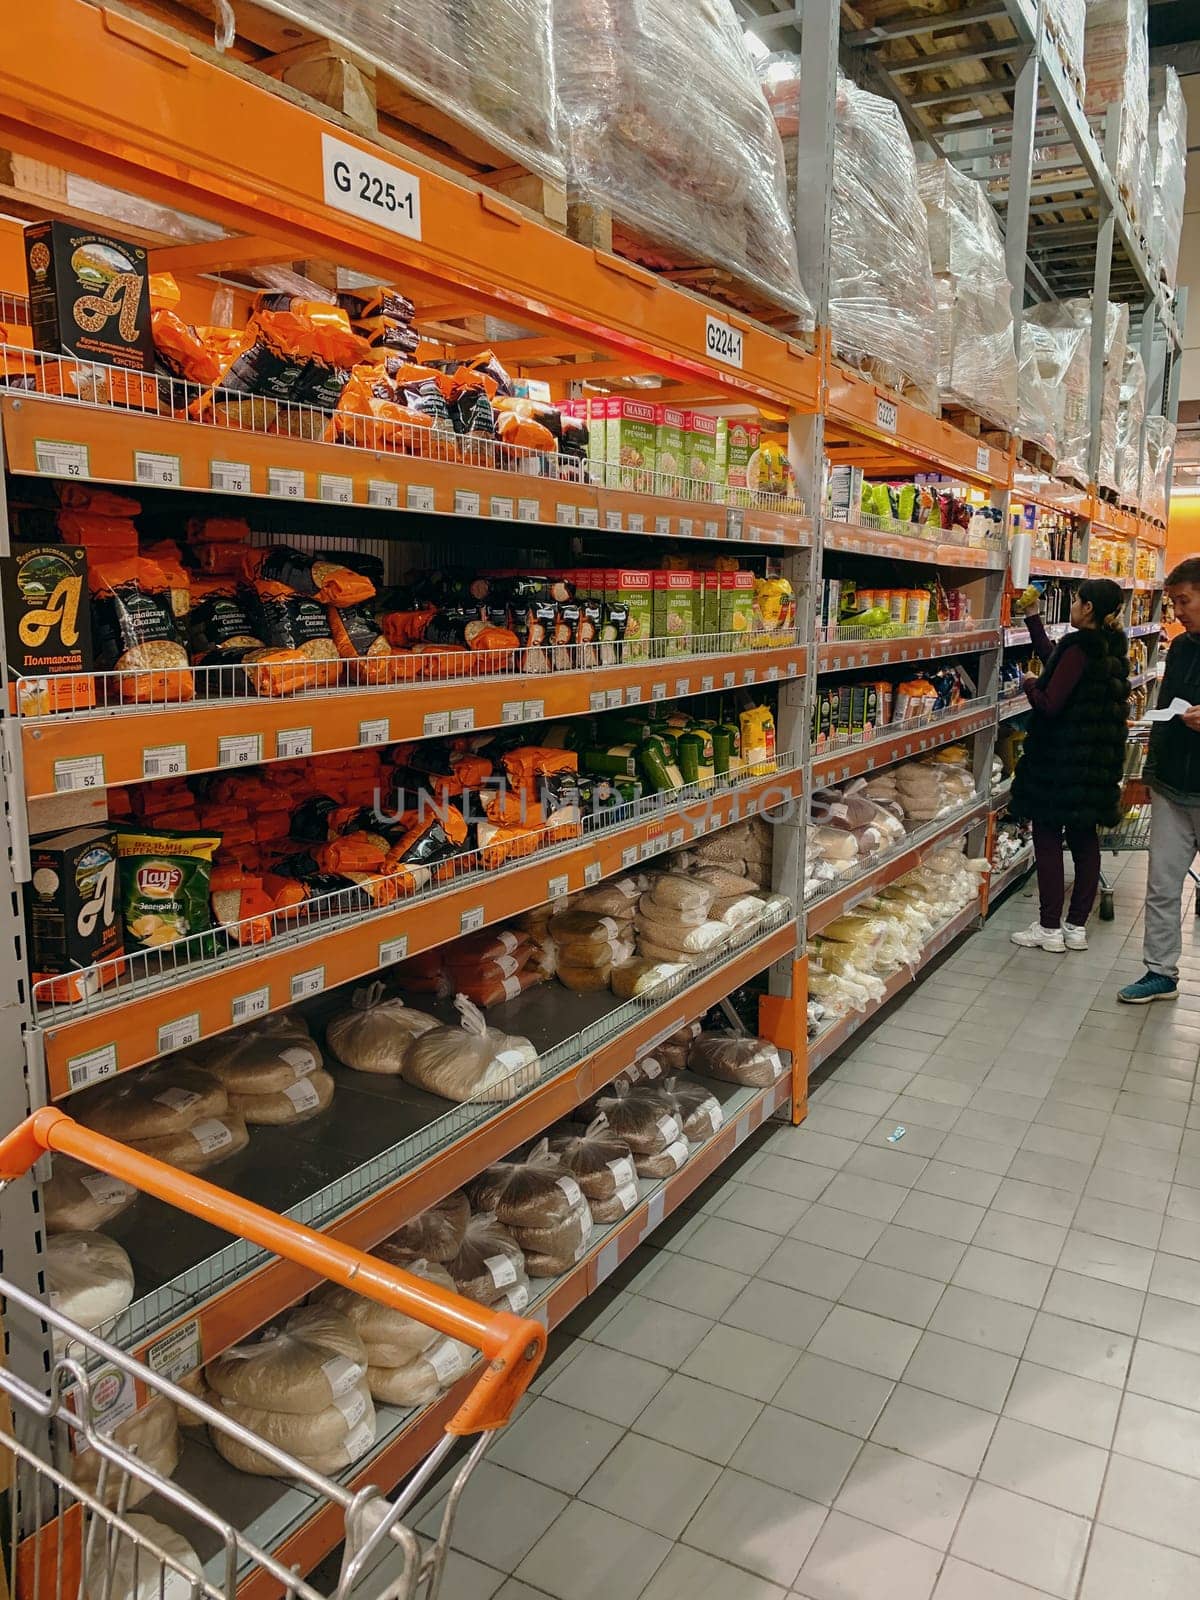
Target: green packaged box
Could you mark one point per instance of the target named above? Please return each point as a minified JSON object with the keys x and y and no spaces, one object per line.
{"x":675,"y":619}
{"x":631,"y":444}
{"x":632,"y":589}
{"x":710,"y":602}
{"x":595,"y":413}
{"x":701,"y":448}
{"x":672,"y":463}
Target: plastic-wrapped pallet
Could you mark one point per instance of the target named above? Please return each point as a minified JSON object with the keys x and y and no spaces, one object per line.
{"x":1065,"y":22}
{"x":1160,"y":448}
{"x":1073,"y":320}
{"x":487,"y":63}
{"x":1116,"y":65}
{"x":664,"y":123}
{"x":1047,"y":354}
{"x":1130,"y":413}
{"x":978,"y":366}
{"x":1116,"y":338}
{"x":1168,"y":155}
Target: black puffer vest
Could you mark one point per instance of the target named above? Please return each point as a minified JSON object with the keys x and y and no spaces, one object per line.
{"x":1071,"y":765}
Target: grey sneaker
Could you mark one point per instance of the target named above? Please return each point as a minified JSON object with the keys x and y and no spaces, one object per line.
{"x":1035,"y":937}
{"x":1074,"y":937}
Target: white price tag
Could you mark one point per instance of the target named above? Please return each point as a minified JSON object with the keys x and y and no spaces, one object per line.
{"x":307,"y":983}
{"x":633,"y":695}
{"x":363,"y":185}
{"x":597,"y":700}
{"x":500,"y":505}
{"x":231,"y":477}
{"x":608,"y":1259}
{"x":612,"y":699}
{"x":512,"y":711}
{"x":377,"y":730}
{"x":471,"y":921}
{"x":384,"y":495}
{"x":418,"y":497}
{"x":591,"y":873}
{"x":80,"y":772}
{"x":650,"y":847}
{"x":435,"y":724}
{"x":60,"y":459}
{"x":393,"y":950}
{"x":589,"y":516}
{"x":655,"y":1210}
{"x":637,"y":522}
{"x":723,"y":341}
{"x":462,"y":721}
{"x":286,"y":483}
{"x":255,"y":1004}
{"x":466,"y":503}
{"x":174,"y":1035}
{"x":771,"y":674}
{"x":334,"y":489}
{"x":886,"y":415}
{"x":239,"y":749}
{"x":662,"y":524}
{"x":629,"y":856}
{"x":613,"y":521}
{"x":528,"y":510}
{"x":160,"y":470}
{"x":658,"y":691}
{"x":566,"y":515}
{"x":676,"y":838}
{"x":683,"y":686}
{"x":535,"y":710}
{"x":983,"y":458}
{"x":93,"y":1066}
{"x":177,"y":1353}
{"x":729,"y":680}
{"x":685,"y":527}
{"x":557,"y":887}
{"x":706,"y":683}
{"x":712,"y":528}
{"x":293,"y":742}
{"x":164,"y":761}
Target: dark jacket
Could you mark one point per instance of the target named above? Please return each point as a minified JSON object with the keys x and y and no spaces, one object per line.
{"x":1173,"y":759}
{"x":1071,"y":765}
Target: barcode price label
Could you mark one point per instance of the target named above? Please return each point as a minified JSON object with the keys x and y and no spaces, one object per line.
{"x":239,"y":749}
{"x":436,"y":724}
{"x":335,"y":490}
{"x":597,"y":700}
{"x":231,"y":477}
{"x":386,"y":496}
{"x":589,"y":516}
{"x":80,"y":772}
{"x":471,"y":921}
{"x":418,"y":497}
{"x":706,"y":683}
{"x":612,"y":699}
{"x":462,"y":721}
{"x":535,"y":710}
{"x":613,"y":521}
{"x":528,"y":510}
{"x":93,"y":1066}
{"x":683,"y":686}
{"x":637,"y":522}
{"x":307,"y":983}
{"x":286,"y":483}
{"x":686,"y":527}
{"x":375,"y":731}
{"x":293,"y":742}
{"x":629,"y":856}
{"x":500,"y":505}
{"x":591,"y":873}
{"x":729,"y":680}
{"x":164,"y":761}
{"x":983,"y":458}
{"x":566,"y":516}
{"x":633,"y":695}
{"x":183,"y":1031}
{"x":255,"y":1004}
{"x":676,"y":838}
{"x":658,"y":691}
{"x":161,"y":470}
{"x":771,"y":674}
{"x":512,"y":711}
{"x":651,"y":847}
{"x":662,"y":524}
{"x":60,"y":459}
{"x":886,"y":415}
{"x":178,"y":1352}
{"x":466,"y":503}
{"x":557,"y":887}
{"x":393,"y":950}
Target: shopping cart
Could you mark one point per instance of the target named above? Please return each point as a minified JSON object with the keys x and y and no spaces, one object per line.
{"x":69,"y":1541}
{"x":1132,"y":833}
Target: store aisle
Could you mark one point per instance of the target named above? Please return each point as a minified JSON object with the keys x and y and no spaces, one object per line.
{"x":963,"y":1364}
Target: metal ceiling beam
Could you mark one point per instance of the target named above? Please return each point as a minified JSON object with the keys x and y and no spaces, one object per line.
{"x":912,"y":22}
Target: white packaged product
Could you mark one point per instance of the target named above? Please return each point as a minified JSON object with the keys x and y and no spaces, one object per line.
{"x":375,"y":1031}
{"x":471,"y":1062}
{"x":422,"y":1379}
{"x":89,"y":1278}
{"x":119,"y":1568}
{"x":153,"y":1103}
{"x":299,"y":1101}
{"x":1168,"y":153}
{"x":1129,"y":427}
{"x":641,"y":976}
{"x":77,"y":1198}
{"x":658,"y":941}
{"x":679,"y":892}
{"x":151,"y":1435}
{"x":391,"y":1338}
{"x":261,"y":1058}
{"x":309,"y":1360}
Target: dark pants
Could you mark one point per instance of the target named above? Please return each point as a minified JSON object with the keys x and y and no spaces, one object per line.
{"x":1084,"y":845}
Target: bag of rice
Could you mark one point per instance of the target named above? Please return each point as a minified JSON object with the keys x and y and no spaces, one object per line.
{"x":299,"y":1101}
{"x":471,"y":1062}
{"x":375,"y":1032}
{"x":643,"y":976}
{"x":119,"y":1568}
{"x":89,"y":1278}
{"x":152,"y":1103}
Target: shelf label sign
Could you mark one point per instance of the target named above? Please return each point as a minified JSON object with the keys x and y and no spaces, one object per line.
{"x":255,"y":1004}
{"x":558,"y":886}
{"x":463,"y":721}
{"x":80,"y":772}
{"x":93,"y":1066}
{"x":501,"y":506}
{"x":233,"y":477}
{"x":566,"y":515}
{"x":535,"y":710}
{"x":418,"y":497}
{"x":637,"y":522}
{"x":589,"y":516}
{"x":528,"y":510}
{"x":723,"y":341}
{"x":286,"y":483}
{"x":393,"y":950}
{"x":293,"y":742}
{"x":381,"y":494}
{"x":307,"y":983}
{"x":59,"y":459}
{"x":591,"y":873}
{"x":161,"y":470}
{"x":466,"y":502}
{"x":375,"y":731}
{"x":183,"y":1031}
{"x":177,"y":1353}
{"x":435,"y":725}
{"x":983,"y":458}
{"x":164,"y":761}
{"x":887,"y":416}
{"x":239,"y":749}
{"x":612,"y":521}
{"x":335,"y":489}
{"x":512,"y":711}
{"x":364,"y":186}
{"x":471,"y":921}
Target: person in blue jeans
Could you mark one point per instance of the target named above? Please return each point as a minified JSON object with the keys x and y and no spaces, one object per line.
{"x":1172,"y":771}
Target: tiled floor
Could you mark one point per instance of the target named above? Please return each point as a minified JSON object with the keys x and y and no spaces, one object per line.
{"x":964,"y":1365}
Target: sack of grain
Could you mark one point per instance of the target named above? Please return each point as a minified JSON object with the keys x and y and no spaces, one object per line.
{"x":375,"y":1031}
{"x":489,"y":1261}
{"x":78,"y":1199}
{"x":391,"y":1338}
{"x":297,"y":1102}
{"x":734,"y":1058}
{"x":434,"y":1235}
{"x":471,"y":1062}
{"x":263,"y":1057}
{"x":153,"y":1103}
{"x":303,"y":1364}
{"x":152,"y":1435}
{"x":89,"y":1278}
{"x":119,"y":1568}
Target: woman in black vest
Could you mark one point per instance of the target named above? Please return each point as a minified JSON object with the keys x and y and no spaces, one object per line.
{"x":1068,"y":779}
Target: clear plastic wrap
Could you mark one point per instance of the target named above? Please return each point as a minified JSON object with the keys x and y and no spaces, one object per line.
{"x":1065,"y":22}
{"x":1116,"y":337}
{"x":1168,"y":162}
{"x":665,"y":124}
{"x":1156,"y":469}
{"x":978,"y":365}
{"x":433,"y":1235}
{"x":1064,"y":356}
{"x":1130,"y":413}
{"x":1116,"y":65}
{"x":1046,"y":356}
{"x":733,"y":1058}
{"x":471,"y":1062}
{"x":488,"y":63}
{"x":374,"y":1033}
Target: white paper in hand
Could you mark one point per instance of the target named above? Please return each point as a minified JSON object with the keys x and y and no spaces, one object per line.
{"x":1165,"y":713}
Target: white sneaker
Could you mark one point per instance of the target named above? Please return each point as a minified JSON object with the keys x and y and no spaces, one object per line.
{"x":1035,"y":937}
{"x":1075,"y":938}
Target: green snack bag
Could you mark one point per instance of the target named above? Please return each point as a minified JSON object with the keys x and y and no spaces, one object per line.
{"x":165,"y":879}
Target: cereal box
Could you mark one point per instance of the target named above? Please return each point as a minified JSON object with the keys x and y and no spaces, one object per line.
{"x":631,"y":444}
{"x":675,"y":610}
{"x":671,"y":444}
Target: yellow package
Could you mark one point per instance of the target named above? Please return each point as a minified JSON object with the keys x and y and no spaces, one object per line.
{"x":758,"y":740}
{"x":774,"y":611}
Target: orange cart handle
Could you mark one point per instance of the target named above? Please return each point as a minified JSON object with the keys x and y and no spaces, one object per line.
{"x":513,"y":1345}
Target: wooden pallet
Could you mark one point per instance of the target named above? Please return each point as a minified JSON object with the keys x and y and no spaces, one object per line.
{"x":978,"y":427}
{"x":1036,"y":458}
